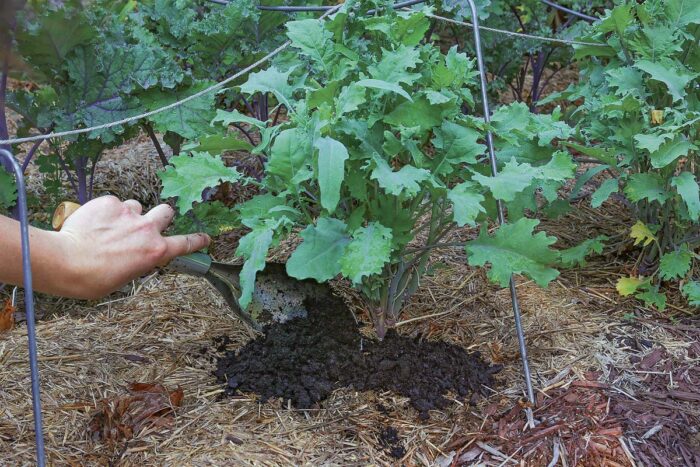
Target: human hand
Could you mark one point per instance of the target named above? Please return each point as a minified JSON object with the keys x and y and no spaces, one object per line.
{"x":106,"y":243}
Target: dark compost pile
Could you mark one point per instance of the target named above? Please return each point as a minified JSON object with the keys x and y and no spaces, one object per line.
{"x":304,"y":360}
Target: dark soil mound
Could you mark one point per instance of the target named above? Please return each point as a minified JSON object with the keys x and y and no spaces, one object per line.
{"x":304,"y":360}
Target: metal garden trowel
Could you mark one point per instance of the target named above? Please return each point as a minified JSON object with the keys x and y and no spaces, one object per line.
{"x":276,"y":297}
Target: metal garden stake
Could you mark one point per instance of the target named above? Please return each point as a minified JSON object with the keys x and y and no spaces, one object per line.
{"x":501,"y":216}
{"x":28,"y":304}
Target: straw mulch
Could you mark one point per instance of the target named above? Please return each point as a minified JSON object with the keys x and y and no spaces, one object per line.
{"x":596,"y":406}
{"x":162,"y":332}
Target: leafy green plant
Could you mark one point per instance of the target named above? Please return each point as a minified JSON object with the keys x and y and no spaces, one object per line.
{"x":377,"y":165}
{"x":637,"y":110}
{"x":107,"y":60}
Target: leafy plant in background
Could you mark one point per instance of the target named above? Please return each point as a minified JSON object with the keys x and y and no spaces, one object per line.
{"x":377,"y":164}
{"x":513,"y":60}
{"x":107,"y":60}
{"x":638,"y":114}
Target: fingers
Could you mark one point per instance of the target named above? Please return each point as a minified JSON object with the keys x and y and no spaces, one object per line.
{"x":161,"y":215}
{"x":179,"y":245}
{"x":134,"y":206}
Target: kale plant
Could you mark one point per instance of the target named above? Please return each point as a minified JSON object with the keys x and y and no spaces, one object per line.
{"x":377,"y":164}
{"x":107,"y":60}
{"x":637,"y":110}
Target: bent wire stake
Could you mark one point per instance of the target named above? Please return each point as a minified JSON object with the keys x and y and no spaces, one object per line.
{"x":501,"y":216}
{"x":28,"y":304}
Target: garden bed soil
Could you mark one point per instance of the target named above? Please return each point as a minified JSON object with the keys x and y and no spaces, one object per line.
{"x":305,"y":359}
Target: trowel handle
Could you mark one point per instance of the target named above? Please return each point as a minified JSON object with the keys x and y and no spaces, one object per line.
{"x":195,"y":264}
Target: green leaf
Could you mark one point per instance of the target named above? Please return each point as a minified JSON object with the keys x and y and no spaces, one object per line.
{"x":188,"y":176}
{"x":212,"y":218}
{"x":253,"y":247}
{"x":312,"y":38}
{"x":672,"y":73}
{"x":189,"y":120}
{"x":652,"y":297}
{"x":628,"y":285}
{"x":669,"y":152}
{"x":456,"y":144}
{"x":607,"y":188}
{"x":226,"y":118}
{"x":513,"y":249}
{"x":576,"y":256}
{"x":617,"y":20}
{"x":217,"y":144}
{"x":675,"y":264}
{"x":394,"y":65}
{"x":332,"y":155}
{"x":394,"y":183}
{"x":318,"y":256}
{"x":8,"y":190}
{"x":691,"y":290}
{"x":367,"y":253}
{"x":466,"y":203}
{"x":652,"y":142}
{"x":418,"y":113}
{"x":60,"y":33}
{"x":641,"y":234}
{"x":289,"y":154}
{"x":683,"y":12}
{"x":271,"y":80}
{"x":350,"y":99}
{"x":647,"y":186}
{"x":687,"y":187}
{"x":510,"y":180}
{"x":385,"y":86}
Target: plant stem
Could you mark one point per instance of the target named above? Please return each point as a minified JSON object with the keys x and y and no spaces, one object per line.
{"x":159,"y":149}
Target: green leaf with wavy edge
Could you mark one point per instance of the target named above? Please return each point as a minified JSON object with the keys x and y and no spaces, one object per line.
{"x":187,"y":177}
{"x":189,"y":120}
{"x":394,"y":65}
{"x":367,"y":253}
{"x":466,"y":203}
{"x":691,"y":290}
{"x":253,"y":247}
{"x":513,"y":249}
{"x":217,"y":144}
{"x":351,"y":97}
{"x":318,"y":255}
{"x":512,"y":179}
{"x":312,"y":38}
{"x":670,"y":151}
{"x":384,"y":86}
{"x":457,"y":144}
{"x":647,"y":186}
{"x":271,"y":80}
{"x":226,"y":118}
{"x":332,"y":155}
{"x":289,"y":154}
{"x":576,"y":256}
{"x":675,"y":264}
{"x":407,"y":180}
{"x":212,"y":218}
{"x":651,"y":296}
{"x":626,"y":286}
{"x":670,"y":72}
{"x":687,"y":187}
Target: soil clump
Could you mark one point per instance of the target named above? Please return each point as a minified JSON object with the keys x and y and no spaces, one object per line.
{"x":304,"y":360}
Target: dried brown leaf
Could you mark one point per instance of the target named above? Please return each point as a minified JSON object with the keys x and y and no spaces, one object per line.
{"x":7,"y":316}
